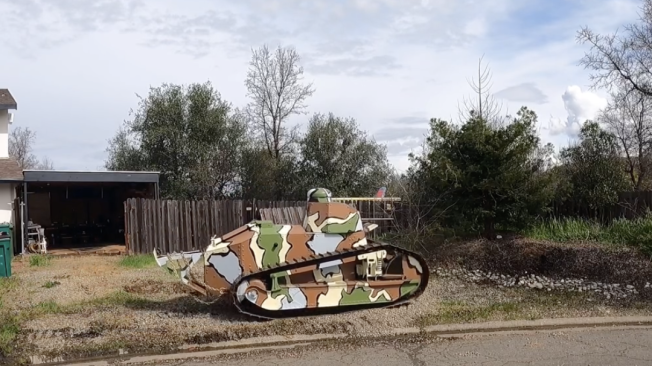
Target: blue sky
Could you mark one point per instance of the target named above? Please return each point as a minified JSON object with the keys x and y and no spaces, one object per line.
{"x":75,"y":66}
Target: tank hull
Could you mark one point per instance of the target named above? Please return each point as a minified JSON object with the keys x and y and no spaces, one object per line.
{"x":326,"y":265}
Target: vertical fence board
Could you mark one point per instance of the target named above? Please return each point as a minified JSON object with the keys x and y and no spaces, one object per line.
{"x":186,"y":225}
{"x":177,"y":225}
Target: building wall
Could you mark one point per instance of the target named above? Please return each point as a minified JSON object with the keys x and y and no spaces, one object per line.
{"x":7,"y":195}
{"x":4,"y":133}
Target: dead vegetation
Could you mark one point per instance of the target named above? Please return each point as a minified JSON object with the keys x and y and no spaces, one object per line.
{"x":516,"y":255}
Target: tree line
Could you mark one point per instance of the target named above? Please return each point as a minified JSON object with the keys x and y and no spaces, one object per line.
{"x":485,"y":172}
{"x":205,"y":148}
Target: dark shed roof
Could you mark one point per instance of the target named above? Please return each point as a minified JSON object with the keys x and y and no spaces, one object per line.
{"x":10,"y":170}
{"x":7,"y":100}
{"x":90,"y":177}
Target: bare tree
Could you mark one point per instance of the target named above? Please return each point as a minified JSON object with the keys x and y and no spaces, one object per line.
{"x":20,"y":147}
{"x":274,"y":83}
{"x":629,"y":117}
{"x":21,"y":140}
{"x":483,"y":105}
{"x":417,"y":215}
{"x":45,"y":164}
{"x":621,"y":57}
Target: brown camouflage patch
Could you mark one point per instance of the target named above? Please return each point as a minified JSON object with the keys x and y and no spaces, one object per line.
{"x":262,"y":291}
{"x":240,"y":246}
{"x":227,"y":236}
{"x":393,"y":288}
{"x":410,"y":272}
{"x":393,"y":291}
{"x":326,"y":210}
{"x":308,"y":268}
{"x":351,"y":284}
{"x":298,"y":239}
{"x":215,"y":281}
{"x":348,"y":268}
{"x":301,"y":278}
{"x":313,"y":291}
{"x":347,"y":243}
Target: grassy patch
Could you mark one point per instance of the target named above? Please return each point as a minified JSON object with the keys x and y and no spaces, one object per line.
{"x":72,"y":352}
{"x":46,"y":307}
{"x":6,"y":285}
{"x":9,"y":328}
{"x":51,"y":284}
{"x":118,"y":298}
{"x":635,"y":233}
{"x":39,"y":260}
{"x":138,"y":261}
{"x":523,"y":305}
{"x":460,"y":312}
{"x":9,"y":323}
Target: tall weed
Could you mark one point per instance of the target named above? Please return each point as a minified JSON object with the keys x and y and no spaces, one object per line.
{"x":634,"y":233}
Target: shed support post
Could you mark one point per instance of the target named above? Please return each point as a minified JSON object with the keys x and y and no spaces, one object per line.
{"x":25,"y":217}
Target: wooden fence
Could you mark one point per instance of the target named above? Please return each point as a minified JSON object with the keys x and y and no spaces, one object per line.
{"x":171,"y":225}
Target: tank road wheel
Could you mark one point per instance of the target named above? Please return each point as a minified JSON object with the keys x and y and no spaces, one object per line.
{"x":253,"y":291}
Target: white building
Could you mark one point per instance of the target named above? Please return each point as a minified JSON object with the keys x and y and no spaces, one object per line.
{"x":11,"y":174}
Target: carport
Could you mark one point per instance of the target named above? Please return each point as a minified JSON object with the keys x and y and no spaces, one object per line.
{"x":80,"y":210}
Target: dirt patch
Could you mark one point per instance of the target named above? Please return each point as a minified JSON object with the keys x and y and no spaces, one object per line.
{"x":149,"y":286}
{"x":74,"y":280}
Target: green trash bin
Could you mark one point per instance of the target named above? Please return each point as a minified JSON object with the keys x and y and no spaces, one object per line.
{"x":6,"y":250}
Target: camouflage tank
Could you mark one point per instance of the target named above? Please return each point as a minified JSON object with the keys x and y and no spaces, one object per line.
{"x":327,"y":265}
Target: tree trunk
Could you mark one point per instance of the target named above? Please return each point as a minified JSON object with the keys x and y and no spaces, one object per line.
{"x":489,"y":228}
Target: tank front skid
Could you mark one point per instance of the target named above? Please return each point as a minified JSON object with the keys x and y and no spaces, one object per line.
{"x":179,"y":262}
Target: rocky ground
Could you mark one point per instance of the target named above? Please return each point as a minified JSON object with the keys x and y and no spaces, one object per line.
{"x":532,"y":281}
{"x":90,"y":305}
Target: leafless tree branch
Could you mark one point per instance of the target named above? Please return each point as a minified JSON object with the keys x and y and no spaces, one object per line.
{"x":21,"y":140}
{"x":620,"y":60}
{"x":629,"y":117}
{"x":484,"y":106}
{"x":274,"y":84}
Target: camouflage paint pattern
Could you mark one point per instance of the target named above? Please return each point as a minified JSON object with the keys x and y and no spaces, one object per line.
{"x":329,"y":227}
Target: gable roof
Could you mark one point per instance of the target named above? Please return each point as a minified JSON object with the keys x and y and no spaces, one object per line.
{"x":7,"y":100}
{"x":10,"y":170}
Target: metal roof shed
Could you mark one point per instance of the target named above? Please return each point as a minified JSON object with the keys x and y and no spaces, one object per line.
{"x":46,"y":180}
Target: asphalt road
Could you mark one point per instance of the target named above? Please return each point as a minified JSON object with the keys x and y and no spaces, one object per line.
{"x":602,"y":346}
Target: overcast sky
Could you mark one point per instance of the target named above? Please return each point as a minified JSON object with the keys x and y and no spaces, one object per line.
{"x":75,"y":66}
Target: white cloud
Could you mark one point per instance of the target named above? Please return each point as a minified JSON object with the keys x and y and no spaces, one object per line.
{"x":580,"y":106}
{"x":377,"y":61}
{"x":476,"y":27}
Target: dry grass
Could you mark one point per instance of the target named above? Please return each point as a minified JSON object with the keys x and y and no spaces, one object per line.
{"x":521,"y":304}
{"x":79,"y":306}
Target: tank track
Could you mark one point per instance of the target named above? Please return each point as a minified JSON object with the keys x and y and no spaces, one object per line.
{"x":251,"y":310}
